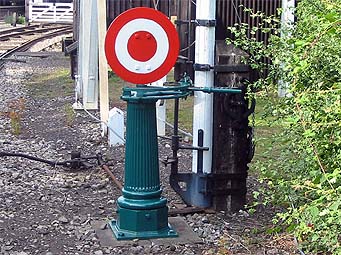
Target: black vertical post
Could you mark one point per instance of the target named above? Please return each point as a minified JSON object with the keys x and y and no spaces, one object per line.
{"x":230,"y":132}
{"x":175,"y":138}
{"x":200,"y":152}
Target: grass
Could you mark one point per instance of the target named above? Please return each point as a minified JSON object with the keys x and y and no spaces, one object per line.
{"x":185,"y":113}
{"x":264,"y":130}
{"x":115,"y":87}
{"x":52,"y":85}
{"x":15,"y":118}
{"x":57,"y":84}
{"x":267,"y":130}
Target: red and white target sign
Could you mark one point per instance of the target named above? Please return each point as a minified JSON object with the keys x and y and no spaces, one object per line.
{"x":141,"y":45}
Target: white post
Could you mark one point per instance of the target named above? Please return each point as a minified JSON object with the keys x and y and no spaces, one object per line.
{"x":160,"y":110}
{"x":88,"y":55}
{"x":203,"y":103}
{"x":30,"y":5}
{"x":54,"y":12}
{"x":103,"y":66}
{"x":287,"y":22}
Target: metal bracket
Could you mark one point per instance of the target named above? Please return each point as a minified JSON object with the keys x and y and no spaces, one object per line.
{"x":202,"y":67}
{"x":194,"y":148}
{"x":232,"y":68}
{"x":222,"y":68}
{"x":198,"y":189}
{"x":71,"y":47}
{"x":192,"y":187}
{"x":77,"y":161}
{"x":205,"y":22}
{"x":181,"y":21}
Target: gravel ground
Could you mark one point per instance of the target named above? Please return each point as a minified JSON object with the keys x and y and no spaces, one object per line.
{"x":49,"y":210}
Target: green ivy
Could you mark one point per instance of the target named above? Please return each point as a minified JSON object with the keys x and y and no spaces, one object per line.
{"x":304,"y":177}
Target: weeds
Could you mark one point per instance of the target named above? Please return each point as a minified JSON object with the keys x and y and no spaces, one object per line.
{"x":15,"y":111}
{"x":69,"y":115}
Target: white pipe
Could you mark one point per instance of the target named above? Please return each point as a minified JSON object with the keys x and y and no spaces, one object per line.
{"x":203,"y":103}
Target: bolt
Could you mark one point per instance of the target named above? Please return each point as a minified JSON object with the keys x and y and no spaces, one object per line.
{"x":148,"y":36}
{"x":147,"y":215}
{"x":171,"y":231}
{"x":120,"y":234}
{"x":148,"y":67}
{"x":137,"y":36}
{"x":137,"y":67}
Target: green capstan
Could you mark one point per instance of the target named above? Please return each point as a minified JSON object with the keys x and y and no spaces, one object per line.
{"x":142,"y":211}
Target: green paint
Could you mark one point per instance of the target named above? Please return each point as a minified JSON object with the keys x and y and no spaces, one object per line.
{"x":142,"y":212}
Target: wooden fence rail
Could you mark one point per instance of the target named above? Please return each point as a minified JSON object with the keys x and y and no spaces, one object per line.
{"x":51,"y":12}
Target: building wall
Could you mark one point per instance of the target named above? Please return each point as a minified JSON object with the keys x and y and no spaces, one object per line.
{"x":115,"y":7}
{"x":7,"y":7}
{"x":11,"y":2}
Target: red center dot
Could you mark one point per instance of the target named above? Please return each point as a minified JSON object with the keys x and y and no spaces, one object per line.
{"x":142,"y":46}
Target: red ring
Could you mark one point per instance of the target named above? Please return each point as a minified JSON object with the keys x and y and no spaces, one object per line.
{"x":173,"y":41}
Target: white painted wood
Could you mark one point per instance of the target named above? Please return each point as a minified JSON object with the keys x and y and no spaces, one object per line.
{"x":78,"y":80}
{"x":161,"y":117}
{"x":87,"y":80}
{"x":287,"y":23}
{"x":50,"y":12}
{"x":160,"y":110}
{"x":103,"y":66}
{"x":203,"y":103}
{"x":116,"y":127}
{"x":288,"y":17}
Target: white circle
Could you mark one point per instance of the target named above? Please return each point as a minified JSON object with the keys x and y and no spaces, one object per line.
{"x":121,"y":46}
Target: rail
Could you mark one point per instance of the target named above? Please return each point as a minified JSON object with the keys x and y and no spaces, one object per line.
{"x":36,"y":34}
{"x":26,"y":31}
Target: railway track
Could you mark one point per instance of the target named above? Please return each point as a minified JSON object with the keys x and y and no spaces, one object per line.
{"x":22,"y":38}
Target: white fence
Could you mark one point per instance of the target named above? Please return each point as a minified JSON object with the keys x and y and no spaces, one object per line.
{"x":51,"y":12}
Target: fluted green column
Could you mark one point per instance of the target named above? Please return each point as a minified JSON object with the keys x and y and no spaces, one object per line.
{"x":141,"y":164}
{"x":142,"y":212}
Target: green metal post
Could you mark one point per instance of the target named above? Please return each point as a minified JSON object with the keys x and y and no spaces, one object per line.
{"x":142,"y":212}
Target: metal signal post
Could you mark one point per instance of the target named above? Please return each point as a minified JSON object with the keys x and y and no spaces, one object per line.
{"x":142,"y":211}
{"x":142,"y":46}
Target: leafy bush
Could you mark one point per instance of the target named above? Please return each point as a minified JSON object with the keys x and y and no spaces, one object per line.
{"x":21,"y":20}
{"x":304,"y":176}
{"x":8,"y":19}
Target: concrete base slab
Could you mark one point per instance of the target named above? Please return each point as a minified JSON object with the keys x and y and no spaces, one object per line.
{"x":186,"y":235}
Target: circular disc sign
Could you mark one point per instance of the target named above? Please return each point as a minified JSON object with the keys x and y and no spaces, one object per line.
{"x":141,"y":45}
